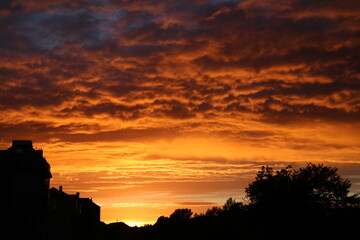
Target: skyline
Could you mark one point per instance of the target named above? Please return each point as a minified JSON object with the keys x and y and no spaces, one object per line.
{"x":147,"y":106}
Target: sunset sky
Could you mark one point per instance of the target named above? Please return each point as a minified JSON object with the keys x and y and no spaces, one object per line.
{"x":148,"y":106}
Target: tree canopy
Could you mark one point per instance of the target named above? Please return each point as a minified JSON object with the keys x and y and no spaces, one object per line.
{"x":312,"y":202}
{"x":181,"y":214}
{"x":310,"y":186}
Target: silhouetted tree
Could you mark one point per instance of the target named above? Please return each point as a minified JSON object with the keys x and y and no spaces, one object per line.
{"x":181,"y":214}
{"x":162,"y":220}
{"x":323,"y":185}
{"x":313,"y":185}
{"x":231,"y":205}
{"x":308,"y":203}
{"x":214,"y":211}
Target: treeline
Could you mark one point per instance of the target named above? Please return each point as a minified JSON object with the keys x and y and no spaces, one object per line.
{"x":239,"y":221}
{"x":312,"y":202}
{"x":307,"y":203}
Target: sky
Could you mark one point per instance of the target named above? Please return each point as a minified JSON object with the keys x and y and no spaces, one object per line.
{"x":148,"y":106}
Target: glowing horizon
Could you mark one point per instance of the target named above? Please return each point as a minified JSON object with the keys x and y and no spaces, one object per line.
{"x":148,"y":106}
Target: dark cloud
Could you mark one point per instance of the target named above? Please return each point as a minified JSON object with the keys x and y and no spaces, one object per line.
{"x":127,"y":59}
{"x":127,"y":134}
{"x":44,"y":131}
{"x":125,"y":112}
{"x":40,"y":131}
{"x":10,"y":6}
{"x":301,"y":112}
{"x":37,"y":31}
{"x":305,"y":90}
{"x":28,"y":95}
{"x":173,"y":109}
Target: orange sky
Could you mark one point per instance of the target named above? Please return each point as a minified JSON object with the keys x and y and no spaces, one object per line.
{"x":147,"y":106}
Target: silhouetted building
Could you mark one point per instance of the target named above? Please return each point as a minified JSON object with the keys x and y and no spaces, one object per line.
{"x":70,"y":215}
{"x":29,"y":210}
{"x":71,"y":206}
{"x":24,"y":185}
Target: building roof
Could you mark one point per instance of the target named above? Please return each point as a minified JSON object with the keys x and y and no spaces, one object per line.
{"x":22,"y":157}
{"x":22,"y":143}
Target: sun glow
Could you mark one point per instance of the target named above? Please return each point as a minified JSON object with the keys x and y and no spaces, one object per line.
{"x":136,"y":224}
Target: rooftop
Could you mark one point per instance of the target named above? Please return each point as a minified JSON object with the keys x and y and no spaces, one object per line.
{"x":22,"y":143}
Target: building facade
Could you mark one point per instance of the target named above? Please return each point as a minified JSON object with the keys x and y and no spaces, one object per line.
{"x":30,"y":210}
{"x":70,"y":215}
{"x":72,"y":207}
{"x":24,"y":185}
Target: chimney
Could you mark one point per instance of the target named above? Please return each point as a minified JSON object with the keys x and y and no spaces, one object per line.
{"x":60,"y":188}
{"x":77,"y":194}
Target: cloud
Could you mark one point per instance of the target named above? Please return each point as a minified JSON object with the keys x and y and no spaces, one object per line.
{"x":114,"y":110}
{"x":82,"y":132}
{"x":298,"y":112}
{"x":127,"y":50}
{"x":197,"y":203}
